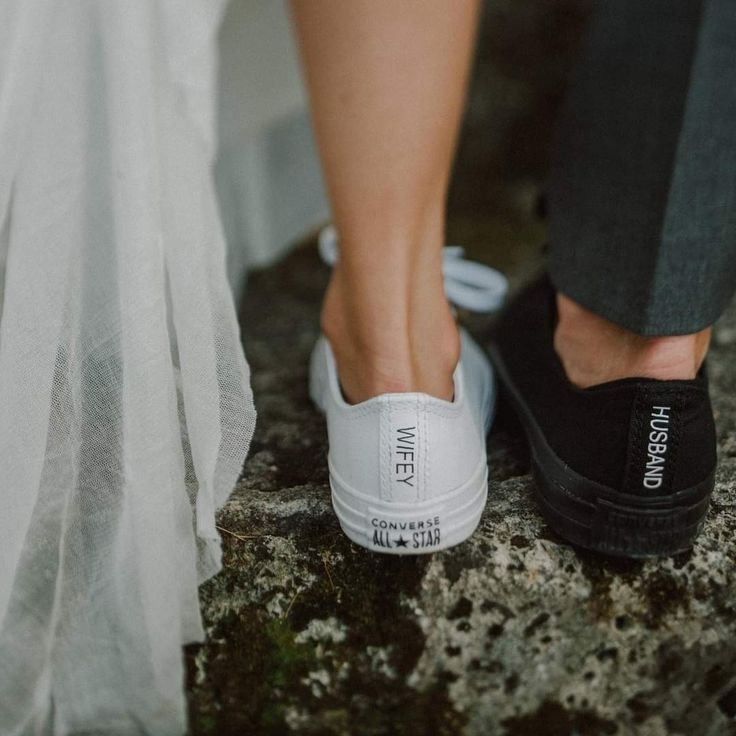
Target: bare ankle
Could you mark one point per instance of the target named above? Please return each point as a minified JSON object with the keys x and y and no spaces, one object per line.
{"x":594,"y":350}
{"x":390,"y":345}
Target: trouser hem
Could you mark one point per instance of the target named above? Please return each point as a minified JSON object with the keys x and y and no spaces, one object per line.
{"x":641,"y":322}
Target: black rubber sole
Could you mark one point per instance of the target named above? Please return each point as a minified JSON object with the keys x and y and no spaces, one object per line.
{"x":597,"y":517}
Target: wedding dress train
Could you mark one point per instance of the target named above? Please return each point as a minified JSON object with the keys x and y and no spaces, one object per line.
{"x":125,"y":407}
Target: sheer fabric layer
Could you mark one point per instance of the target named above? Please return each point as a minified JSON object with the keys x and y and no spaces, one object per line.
{"x":125,"y":407}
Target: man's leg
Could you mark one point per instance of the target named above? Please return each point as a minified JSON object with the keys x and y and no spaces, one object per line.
{"x":643,"y":194}
{"x":643,"y":261}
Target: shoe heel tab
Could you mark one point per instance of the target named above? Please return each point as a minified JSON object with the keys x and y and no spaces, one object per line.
{"x":403,"y":447}
{"x":654,"y":438}
{"x":671,"y":438}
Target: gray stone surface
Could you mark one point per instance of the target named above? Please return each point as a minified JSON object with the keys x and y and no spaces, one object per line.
{"x":513,"y":632}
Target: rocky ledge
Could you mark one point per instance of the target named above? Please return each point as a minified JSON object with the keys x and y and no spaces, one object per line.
{"x":513,"y":632}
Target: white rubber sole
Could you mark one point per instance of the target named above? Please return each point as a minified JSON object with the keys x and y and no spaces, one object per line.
{"x":414,"y":528}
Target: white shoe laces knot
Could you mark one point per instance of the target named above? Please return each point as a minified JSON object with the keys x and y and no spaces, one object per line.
{"x":468,"y":284}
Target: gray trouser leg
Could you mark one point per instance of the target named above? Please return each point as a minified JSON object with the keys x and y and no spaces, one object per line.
{"x":643,"y":188}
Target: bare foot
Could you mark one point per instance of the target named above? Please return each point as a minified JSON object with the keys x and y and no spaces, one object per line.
{"x":594,"y":350}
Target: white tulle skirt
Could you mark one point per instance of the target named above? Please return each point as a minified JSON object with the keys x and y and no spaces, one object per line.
{"x":125,"y":407}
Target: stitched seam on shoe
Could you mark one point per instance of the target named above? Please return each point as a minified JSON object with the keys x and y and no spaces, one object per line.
{"x":425,"y":452}
{"x":678,"y":406}
{"x":357,"y":412}
{"x":447,"y":413}
{"x":634,"y":457}
{"x":354,"y":412}
{"x":385,"y":490}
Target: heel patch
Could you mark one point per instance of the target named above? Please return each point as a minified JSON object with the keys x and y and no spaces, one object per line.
{"x":403,"y":447}
{"x":654,"y":438}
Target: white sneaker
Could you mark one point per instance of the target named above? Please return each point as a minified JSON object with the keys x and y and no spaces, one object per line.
{"x":408,"y":471}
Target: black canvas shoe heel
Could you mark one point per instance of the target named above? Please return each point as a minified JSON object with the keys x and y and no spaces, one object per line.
{"x":624,"y":468}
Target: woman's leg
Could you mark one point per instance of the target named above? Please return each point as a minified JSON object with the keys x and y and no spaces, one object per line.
{"x":387,"y":82}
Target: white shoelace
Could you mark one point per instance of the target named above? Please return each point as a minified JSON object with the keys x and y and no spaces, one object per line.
{"x":468,"y":284}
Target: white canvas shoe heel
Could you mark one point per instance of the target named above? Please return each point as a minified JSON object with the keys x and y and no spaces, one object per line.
{"x":408,"y":471}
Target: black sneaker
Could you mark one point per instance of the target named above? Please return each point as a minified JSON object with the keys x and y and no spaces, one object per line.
{"x":624,"y":468}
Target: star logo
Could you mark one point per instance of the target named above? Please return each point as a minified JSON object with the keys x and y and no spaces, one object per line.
{"x":400,"y":542}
